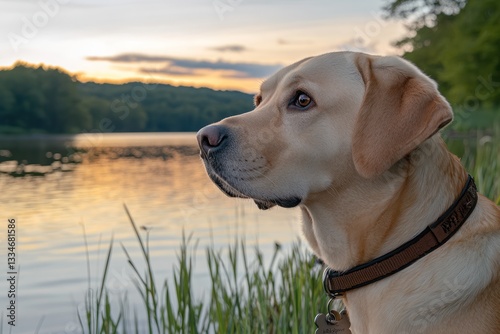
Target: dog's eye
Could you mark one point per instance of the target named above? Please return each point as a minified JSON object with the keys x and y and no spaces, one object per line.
{"x":302,"y":100}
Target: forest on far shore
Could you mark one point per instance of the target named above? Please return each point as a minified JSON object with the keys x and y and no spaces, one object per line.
{"x":37,"y":99}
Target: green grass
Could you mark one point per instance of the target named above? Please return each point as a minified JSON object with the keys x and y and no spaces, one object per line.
{"x":481,"y":157}
{"x":281,"y":297}
{"x":482,"y":160}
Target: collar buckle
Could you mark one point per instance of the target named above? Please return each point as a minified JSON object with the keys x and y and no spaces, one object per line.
{"x":329,"y":290}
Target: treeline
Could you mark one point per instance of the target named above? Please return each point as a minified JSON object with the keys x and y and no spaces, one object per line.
{"x":457,"y":43}
{"x":48,"y":100}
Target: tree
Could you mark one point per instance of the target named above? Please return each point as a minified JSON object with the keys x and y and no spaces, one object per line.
{"x":39,"y":99}
{"x":457,"y":43}
{"x":422,"y":12}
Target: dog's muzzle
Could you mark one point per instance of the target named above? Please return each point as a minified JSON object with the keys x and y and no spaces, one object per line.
{"x":215,"y":142}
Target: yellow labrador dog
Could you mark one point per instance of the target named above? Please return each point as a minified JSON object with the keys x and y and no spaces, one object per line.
{"x":352,"y":140}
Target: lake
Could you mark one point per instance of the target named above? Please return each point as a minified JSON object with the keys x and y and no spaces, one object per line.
{"x":63,"y":189}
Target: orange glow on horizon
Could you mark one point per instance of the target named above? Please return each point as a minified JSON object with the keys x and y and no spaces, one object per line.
{"x":208,"y":79}
{"x":250,"y":85}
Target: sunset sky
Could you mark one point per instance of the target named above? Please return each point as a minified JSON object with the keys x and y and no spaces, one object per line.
{"x":222,"y":44}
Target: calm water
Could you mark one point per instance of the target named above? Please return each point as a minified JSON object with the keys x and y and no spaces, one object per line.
{"x":56,"y":187}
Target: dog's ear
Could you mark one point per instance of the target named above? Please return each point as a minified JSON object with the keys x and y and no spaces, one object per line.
{"x":401,"y":108}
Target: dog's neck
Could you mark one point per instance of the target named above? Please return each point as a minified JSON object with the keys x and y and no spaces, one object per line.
{"x":369,"y":218}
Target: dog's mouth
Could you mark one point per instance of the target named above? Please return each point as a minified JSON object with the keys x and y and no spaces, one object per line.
{"x":231,"y":190}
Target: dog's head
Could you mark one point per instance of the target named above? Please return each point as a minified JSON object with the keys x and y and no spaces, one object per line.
{"x":319,"y":122}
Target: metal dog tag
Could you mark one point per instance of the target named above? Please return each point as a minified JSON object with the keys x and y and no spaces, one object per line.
{"x":332,"y":323}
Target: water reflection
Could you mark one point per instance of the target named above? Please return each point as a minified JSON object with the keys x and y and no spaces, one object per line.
{"x":41,"y":155}
{"x":35,"y":156}
{"x":161,"y":179}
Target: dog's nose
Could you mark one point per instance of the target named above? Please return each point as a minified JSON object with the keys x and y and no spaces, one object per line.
{"x":212,"y":137}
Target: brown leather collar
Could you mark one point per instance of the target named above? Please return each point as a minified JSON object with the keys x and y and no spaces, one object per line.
{"x":435,"y":235}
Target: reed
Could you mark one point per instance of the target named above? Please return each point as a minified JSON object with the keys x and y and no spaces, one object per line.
{"x":246,"y":296}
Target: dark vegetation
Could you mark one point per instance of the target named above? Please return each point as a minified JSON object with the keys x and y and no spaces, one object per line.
{"x":36,"y":99}
{"x":457,"y":43}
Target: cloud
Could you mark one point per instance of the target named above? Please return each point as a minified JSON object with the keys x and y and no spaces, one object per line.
{"x":230,"y":48}
{"x":131,"y":58}
{"x":168,"y":70}
{"x":185,"y":66}
{"x":282,"y":41}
